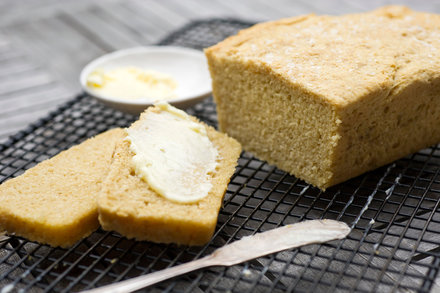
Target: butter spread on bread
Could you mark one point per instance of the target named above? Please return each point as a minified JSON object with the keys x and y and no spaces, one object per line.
{"x":173,"y":154}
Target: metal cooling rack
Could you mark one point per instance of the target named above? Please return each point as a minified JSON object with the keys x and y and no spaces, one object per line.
{"x":394,"y":245}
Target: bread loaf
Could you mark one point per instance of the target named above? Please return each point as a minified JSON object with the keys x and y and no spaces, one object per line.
{"x":327,"y":98}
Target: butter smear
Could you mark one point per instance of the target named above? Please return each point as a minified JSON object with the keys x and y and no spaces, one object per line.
{"x":173,"y":154}
{"x":132,"y":83}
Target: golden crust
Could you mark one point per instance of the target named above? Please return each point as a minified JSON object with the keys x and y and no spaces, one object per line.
{"x":342,"y":58}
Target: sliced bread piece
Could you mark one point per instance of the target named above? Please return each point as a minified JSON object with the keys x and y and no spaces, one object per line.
{"x":127,"y":204}
{"x":55,"y":201}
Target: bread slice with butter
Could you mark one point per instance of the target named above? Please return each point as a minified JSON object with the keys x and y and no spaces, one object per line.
{"x":55,"y":201}
{"x":148,"y":208}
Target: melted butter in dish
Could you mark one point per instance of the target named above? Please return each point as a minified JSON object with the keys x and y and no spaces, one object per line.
{"x":133,"y":83}
{"x":173,"y":154}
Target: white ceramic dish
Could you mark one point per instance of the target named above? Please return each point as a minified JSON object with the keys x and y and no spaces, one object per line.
{"x":187,"y":66}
